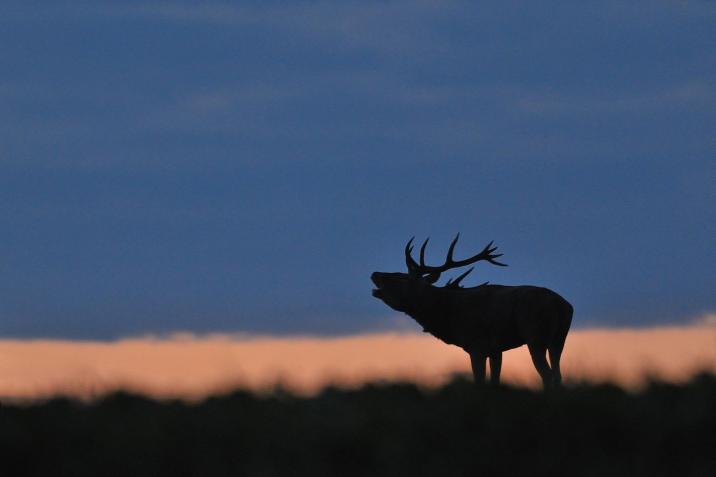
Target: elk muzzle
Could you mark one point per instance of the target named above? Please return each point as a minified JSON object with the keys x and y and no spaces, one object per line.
{"x":377,"y":279}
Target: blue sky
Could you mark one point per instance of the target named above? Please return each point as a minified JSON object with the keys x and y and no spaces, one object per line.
{"x":221,"y":167}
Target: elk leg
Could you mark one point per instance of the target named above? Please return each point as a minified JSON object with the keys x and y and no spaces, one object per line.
{"x":539,"y":359}
{"x":495,"y":367}
{"x":554,"y":355}
{"x":478,"y":367}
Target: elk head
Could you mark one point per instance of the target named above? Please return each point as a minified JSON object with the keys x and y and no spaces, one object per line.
{"x":403,"y":291}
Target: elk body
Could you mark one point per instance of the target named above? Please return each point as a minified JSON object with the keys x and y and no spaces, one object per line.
{"x":484,"y":320}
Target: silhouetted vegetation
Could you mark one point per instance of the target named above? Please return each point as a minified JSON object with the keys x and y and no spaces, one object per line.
{"x":386,"y":429}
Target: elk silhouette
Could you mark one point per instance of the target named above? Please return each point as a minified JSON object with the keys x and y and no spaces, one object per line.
{"x":484,"y":320}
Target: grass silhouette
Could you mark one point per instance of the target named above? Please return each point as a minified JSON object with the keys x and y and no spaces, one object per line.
{"x":380,"y":429}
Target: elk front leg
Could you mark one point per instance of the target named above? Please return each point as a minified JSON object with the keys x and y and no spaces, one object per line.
{"x":495,"y":367}
{"x":477,"y":360}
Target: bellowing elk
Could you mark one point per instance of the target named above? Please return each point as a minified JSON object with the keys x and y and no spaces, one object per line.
{"x":484,"y":320}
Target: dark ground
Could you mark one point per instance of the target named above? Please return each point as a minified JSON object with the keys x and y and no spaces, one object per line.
{"x":459,"y":429}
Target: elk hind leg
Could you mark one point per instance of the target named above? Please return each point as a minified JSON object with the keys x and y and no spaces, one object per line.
{"x":539,"y":358}
{"x":495,"y":368}
{"x":555,"y":348}
{"x":554,"y":355}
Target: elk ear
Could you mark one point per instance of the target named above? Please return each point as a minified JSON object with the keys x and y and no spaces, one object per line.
{"x":432,"y":277}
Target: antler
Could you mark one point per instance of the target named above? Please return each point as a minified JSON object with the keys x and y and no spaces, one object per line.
{"x":487,"y":254}
{"x":415,"y":268}
{"x":456,"y":283}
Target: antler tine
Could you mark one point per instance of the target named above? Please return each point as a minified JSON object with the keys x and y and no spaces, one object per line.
{"x":490,"y":256}
{"x":455,"y":283}
{"x":452,"y":248}
{"x":409,"y":261}
{"x":459,"y":279}
{"x":422,"y":252}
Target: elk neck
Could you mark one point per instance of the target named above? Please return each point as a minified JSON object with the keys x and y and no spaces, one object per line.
{"x":429,"y":307}
{"x":436,"y":305}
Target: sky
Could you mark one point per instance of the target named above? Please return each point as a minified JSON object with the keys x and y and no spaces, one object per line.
{"x":243,"y":167}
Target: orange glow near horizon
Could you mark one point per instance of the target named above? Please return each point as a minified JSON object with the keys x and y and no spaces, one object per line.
{"x":193,"y":367}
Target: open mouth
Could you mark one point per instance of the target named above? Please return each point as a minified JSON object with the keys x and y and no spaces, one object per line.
{"x":376,"y":291}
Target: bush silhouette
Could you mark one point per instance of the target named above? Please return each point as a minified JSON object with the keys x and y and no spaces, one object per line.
{"x":381,"y":429}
